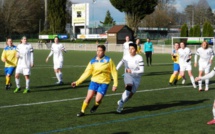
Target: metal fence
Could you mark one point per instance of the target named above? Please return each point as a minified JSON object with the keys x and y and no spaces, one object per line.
{"x":158,"y":48}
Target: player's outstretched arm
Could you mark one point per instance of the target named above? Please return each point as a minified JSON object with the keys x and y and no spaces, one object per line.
{"x":207,"y":76}
{"x":47,"y":59}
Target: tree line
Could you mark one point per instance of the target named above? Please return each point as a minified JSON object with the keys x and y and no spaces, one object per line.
{"x":27,"y":16}
{"x":163,"y":14}
{"x":195,"y":31}
{"x":20,"y":16}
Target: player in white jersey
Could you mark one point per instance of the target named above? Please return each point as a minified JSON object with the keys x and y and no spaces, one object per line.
{"x":206,"y":55}
{"x":125,"y":48}
{"x":185,"y":62}
{"x":57,"y":50}
{"x":134,"y":67}
{"x":25,"y":62}
{"x":205,"y":77}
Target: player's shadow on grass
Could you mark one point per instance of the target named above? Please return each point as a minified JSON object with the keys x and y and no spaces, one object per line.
{"x":157,"y":106}
{"x":123,"y":132}
{"x":55,"y":87}
{"x":160,"y":106}
{"x":157,"y":73}
{"x":158,"y":65}
{"x":59,"y":88}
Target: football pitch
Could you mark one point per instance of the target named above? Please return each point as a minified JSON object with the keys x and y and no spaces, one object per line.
{"x":156,"y":108}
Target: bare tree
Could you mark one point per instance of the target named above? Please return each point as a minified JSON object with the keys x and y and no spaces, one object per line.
{"x":163,"y":15}
{"x":21,"y":16}
{"x":198,"y":13}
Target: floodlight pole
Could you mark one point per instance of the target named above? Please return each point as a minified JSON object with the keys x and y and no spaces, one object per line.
{"x":39,"y":26}
{"x":85,"y":31}
{"x":94,"y":1}
{"x":46,"y":15}
{"x":192,"y":18}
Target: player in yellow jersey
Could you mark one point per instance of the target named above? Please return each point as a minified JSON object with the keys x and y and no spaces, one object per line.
{"x":100,"y":67}
{"x":139,"y":50}
{"x":10,"y":59}
{"x":176,"y":68}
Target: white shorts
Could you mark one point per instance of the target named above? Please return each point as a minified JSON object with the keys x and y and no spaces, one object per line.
{"x":184,"y":67}
{"x":24,"y":71}
{"x":204,"y":67}
{"x":135,"y":81}
{"x":58,"y":64}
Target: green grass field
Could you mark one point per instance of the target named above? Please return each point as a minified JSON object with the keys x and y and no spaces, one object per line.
{"x":156,"y":108}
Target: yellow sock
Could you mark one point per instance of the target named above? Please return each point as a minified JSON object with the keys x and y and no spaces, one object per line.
{"x":172,"y":78}
{"x":96,"y":103}
{"x":179,"y":77}
{"x":84,"y":106}
{"x":7,"y":80}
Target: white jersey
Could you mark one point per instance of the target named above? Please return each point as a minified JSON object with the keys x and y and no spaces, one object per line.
{"x":205,"y":55}
{"x":126,"y":48}
{"x":184,"y":55}
{"x":25,"y":55}
{"x":57,"y":51}
{"x":135,"y":63}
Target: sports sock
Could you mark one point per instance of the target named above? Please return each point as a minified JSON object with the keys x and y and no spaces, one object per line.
{"x":7,"y":80}
{"x":179,"y":77}
{"x":200,"y":84}
{"x":27,"y":82}
{"x":125,"y":96}
{"x":84,"y":106}
{"x":207,"y":83}
{"x":172,"y":78}
{"x":17,"y":82}
{"x":58,"y":77}
{"x":97,"y":104}
{"x":213,"y":112}
{"x":192,"y":81}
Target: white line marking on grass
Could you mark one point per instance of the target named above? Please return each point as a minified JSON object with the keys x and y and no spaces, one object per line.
{"x":75,"y":66}
{"x":40,"y":103}
{"x":80,"y":98}
{"x":124,"y":119}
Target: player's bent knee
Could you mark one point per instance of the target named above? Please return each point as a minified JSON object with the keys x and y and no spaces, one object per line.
{"x":128,"y":87}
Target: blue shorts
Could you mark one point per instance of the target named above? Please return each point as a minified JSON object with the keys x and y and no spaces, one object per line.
{"x":101,"y":88}
{"x":9,"y":70}
{"x":176,"y":67}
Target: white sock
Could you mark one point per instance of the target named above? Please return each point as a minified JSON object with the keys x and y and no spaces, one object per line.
{"x":58,"y":77}
{"x":125,"y":96}
{"x":17,"y":83}
{"x":200,"y":84}
{"x":207,"y":83}
{"x":192,"y":80}
{"x":27,"y":82}
{"x":213,"y":112}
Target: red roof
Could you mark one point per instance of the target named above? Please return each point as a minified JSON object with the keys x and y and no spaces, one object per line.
{"x":116,"y":28}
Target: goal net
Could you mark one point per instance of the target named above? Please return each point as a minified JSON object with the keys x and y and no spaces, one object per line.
{"x":194,"y":42}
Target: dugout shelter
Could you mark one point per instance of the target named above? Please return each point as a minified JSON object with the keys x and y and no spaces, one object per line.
{"x":117,"y":34}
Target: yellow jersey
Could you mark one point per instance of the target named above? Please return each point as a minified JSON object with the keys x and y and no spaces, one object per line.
{"x":100,"y":71}
{"x":139,"y":49}
{"x":9,"y":54}
{"x":175,"y":56}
